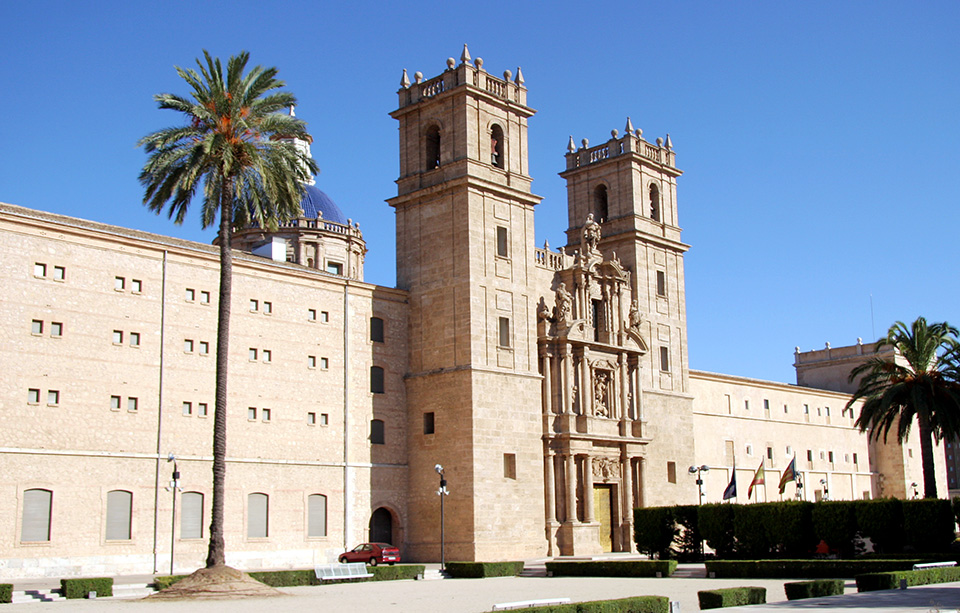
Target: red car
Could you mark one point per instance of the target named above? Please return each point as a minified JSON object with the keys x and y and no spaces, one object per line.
{"x":372,"y":554}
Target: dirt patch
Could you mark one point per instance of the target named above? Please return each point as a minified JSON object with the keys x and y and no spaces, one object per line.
{"x":216,"y":583}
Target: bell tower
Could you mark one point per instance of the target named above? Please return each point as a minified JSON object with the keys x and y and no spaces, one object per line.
{"x":465,"y":234}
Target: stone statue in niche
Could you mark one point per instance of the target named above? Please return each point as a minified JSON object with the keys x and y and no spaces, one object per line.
{"x":635,"y":317}
{"x":606,"y":469}
{"x":564,"y":304}
{"x":601,"y":387}
{"x":591,"y":235}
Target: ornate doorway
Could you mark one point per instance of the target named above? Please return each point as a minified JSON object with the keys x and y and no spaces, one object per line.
{"x":603,"y":512}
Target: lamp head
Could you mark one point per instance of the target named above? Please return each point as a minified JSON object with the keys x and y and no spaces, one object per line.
{"x":704,"y":468}
{"x":823,"y":481}
{"x":439,"y":469}
{"x":171,"y":457}
{"x":692,"y":470}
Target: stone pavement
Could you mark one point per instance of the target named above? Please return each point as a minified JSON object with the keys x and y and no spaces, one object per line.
{"x":479,"y":595}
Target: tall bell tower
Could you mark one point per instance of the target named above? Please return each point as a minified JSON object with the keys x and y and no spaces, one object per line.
{"x":465,"y":235}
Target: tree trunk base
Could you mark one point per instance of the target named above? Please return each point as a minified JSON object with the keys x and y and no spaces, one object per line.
{"x":216,"y":583}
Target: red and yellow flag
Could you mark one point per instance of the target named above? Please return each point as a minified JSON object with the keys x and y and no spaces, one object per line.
{"x":757,"y":480}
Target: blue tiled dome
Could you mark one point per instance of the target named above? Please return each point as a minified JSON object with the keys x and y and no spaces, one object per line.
{"x":315,"y":201}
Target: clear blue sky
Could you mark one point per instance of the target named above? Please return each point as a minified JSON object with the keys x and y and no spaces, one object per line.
{"x":820,"y":140}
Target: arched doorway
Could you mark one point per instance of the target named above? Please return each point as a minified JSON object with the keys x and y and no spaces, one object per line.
{"x":381,"y":526}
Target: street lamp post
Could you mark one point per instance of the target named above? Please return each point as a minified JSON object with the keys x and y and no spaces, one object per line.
{"x":826,"y":490}
{"x":799,"y":486}
{"x":696,"y":470}
{"x":442,"y":492}
{"x":916,"y":494}
{"x":172,"y":488}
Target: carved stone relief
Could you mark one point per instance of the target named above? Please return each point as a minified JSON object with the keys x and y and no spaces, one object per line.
{"x":606,"y":469}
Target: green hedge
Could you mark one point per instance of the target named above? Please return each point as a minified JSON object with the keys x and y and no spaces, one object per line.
{"x":162,"y":582}
{"x":731,"y":597}
{"x":716,"y":526}
{"x":882,"y":522}
{"x":6,"y":592}
{"x":286,"y":578}
{"x":928,"y":524}
{"x":636,"y":604}
{"x":813,"y":589}
{"x":292,"y":578}
{"x":835,"y":522}
{"x":887,"y":581}
{"x":814,"y":569}
{"x":654,"y":530}
{"x":613,"y":568}
{"x":478,"y":570}
{"x":399,"y":572}
{"x":79,"y":588}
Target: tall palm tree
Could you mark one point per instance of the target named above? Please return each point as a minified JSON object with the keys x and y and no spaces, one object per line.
{"x":925,"y":388}
{"x":232,"y":142}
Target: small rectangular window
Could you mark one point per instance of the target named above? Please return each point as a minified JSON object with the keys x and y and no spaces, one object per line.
{"x":119,"y":284}
{"x":785,"y":411}
{"x":746,"y":405}
{"x":33,"y":396}
{"x":324,"y":317}
{"x":190,"y":295}
{"x":188,"y":408}
{"x":311,"y":314}
{"x":311,"y":419}
{"x":117,"y":337}
{"x":750,"y":450}
{"x":769,"y":453}
{"x":188,"y":345}
{"x":671,"y":472}
{"x":56,"y":329}
{"x":252,"y":413}
{"x":254,"y":305}
{"x":510,"y":466}
{"x":204,"y":348}
{"x":855,"y":462}
{"x":502,"y":242}
{"x":59,"y":273}
{"x":39,"y":270}
{"x":335,"y":268}
{"x":377,"y":436}
{"x":789,"y":451}
{"x":324,"y":419}
{"x":133,"y":404}
{"x":136,"y":286}
{"x":428,"y":422}
{"x":311,"y":361}
{"x":134,"y":339}
{"x":267,"y":307}
{"x":53,"y":398}
{"x":504,"y":335}
{"x":115,"y":403}
{"x":252,"y":354}
{"x":665,"y":359}
{"x":376,"y":380}
{"x":376,"y":329}
{"x":265,"y":414}
{"x":324,"y":363}
{"x":830,"y":457}
{"x":201,"y":409}
{"x":36,"y":326}
{"x":661,"y":283}
{"x":204,"y":297}
{"x":766,"y":407}
{"x":267,"y":355}
{"x":809,"y":455}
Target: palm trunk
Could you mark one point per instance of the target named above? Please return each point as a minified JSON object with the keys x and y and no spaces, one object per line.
{"x":926,"y":457}
{"x":216,"y":551}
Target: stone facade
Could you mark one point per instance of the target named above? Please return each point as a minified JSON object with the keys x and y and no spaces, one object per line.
{"x":553,"y":386}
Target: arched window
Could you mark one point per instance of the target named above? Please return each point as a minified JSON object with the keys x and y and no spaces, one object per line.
{"x":496,"y":146}
{"x":316,"y":515}
{"x":376,"y":329}
{"x":258,"y":513}
{"x":600,"y":208}
{"x":433,"y":147}
{"x":119,"y":507}
{"x":654,"y":202}
{"x":36,"y":516}
{"x":376,"y":380}
{"x":377,"y":434}
{"x":191,"y":517}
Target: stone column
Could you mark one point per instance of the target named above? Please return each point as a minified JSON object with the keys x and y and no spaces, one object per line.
{"x":565,"y":391}
{"x":571,"y":482}
{"x":638,"y":392}
{"x":549,"y":488}
{"x":624,"y":388}
{"x":587,"y":489}
{"x":547,"y":385}
{"x":586,"y":385}
{"x":626,"y":469}
{"x":640,"y":499}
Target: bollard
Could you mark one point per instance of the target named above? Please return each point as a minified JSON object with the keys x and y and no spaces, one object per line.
{"x":903,"y":584}
{"x":674,"y":606}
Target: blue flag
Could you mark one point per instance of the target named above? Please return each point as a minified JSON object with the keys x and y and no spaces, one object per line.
{"x":731,"y":491}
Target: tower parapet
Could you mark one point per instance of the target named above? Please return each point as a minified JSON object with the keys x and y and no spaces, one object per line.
{"x":468,"y":72}
{"x":631,"y":142}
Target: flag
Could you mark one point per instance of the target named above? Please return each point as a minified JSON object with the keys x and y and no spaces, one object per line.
{"x":789,"y":474}
{"x":731,"y":491}
{"x":757,"y":480}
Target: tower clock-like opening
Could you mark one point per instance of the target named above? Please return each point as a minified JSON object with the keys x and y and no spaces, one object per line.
{"x":496,"y":146}
{"x":600,"y":207}
{"x":433,"y":147}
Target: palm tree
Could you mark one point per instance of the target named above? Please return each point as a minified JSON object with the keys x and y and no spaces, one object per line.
{"x":233,"y":142}
{"x":925,"y":386}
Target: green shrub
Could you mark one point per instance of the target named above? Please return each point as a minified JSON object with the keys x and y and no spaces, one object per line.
{"x":164,"y":581}
{"x":687,"y":541}
{"x":882,"y":521}
{"x":636,"y":604}
{"x":613,"y":568}
{"x":789,"y":527}
{"x":836,"y":523}
{"x":731,"y":597}
{"x":750,"y":530}
{"x":956,"y":509}
{"x":286,"y":578}
{"x":887,"y":581}
{"x":716,"y":527}
{"x":813,"y":589}
{"x":654,"y":529}
{"x":6,"y":592}
{"x":398,"y":572}
{"x":813,"y":569}
{"x":79,"y":588}
{"x":928,"y":524}
{"x":478,"y":570}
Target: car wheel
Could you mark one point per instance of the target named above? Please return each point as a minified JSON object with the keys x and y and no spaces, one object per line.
{"x":373,"y":561}
{"x":343,"y":560}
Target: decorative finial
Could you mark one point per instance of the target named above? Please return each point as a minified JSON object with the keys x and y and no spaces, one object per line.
{"x":827,"y":345}
{"x":629,"y":128}
{"x":405,"y":80}
{"x":479,"y":63}
{"x":669,"y":142}
{"x":507,"y":75}
{"x":519,"y":79}
{"x":859,"y":340}
{"x":546,"y":245}
{"x":796,"y":349}
{"x":614,"y":133}
{"x":292,"y":112}
{"x":465,"y":56}
{"x":639,"y":133}
{"x":659,"y":140}
{"x":571,"y":147}
{"x":451,"y":63}
{"x":418,"y":77}
{"x":586,"y":143}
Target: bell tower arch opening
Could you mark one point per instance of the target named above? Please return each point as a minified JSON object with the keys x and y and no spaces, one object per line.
{"x":601,"y":206}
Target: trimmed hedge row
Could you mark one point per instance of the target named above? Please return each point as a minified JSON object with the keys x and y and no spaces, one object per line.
{"x":815,"y":569}
{"x":293,"y":578}
{"x":478,"y":570}
{"x":794,"y":528}
{"x":636,"y":604}
{"x":162,"y":582}
{"x":397,"y":572}
{"x":6,"y":593}
{"x":79,"y":588}
{"x":613,"y":568}
{"x":731,"y":597}
{"x":813,"y":589}
{"x":887,"y":581}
